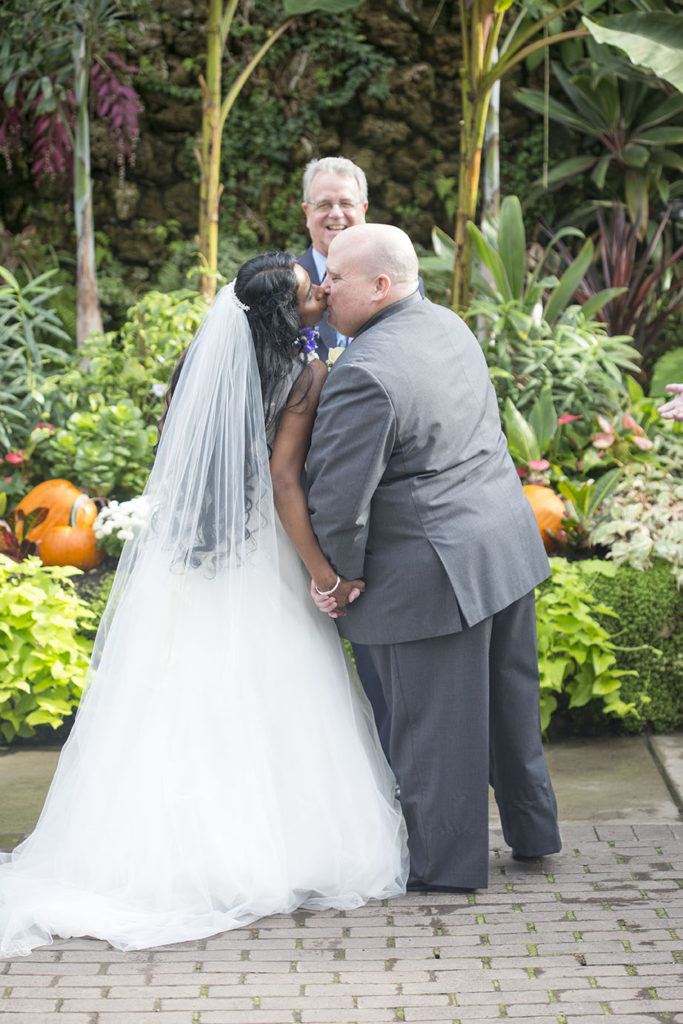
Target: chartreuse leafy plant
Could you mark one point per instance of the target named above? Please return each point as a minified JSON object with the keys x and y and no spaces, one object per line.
{"x":43,"y":660}
{"x":108,"y":405}
{"x":576,"y":654}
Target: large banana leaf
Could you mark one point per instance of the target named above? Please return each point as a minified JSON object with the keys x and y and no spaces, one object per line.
{"x":652,"y":40}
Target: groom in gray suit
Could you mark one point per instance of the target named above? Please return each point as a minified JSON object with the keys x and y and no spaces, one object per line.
{"x":413,"y":490}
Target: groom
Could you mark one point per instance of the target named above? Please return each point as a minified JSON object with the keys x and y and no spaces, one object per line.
{"x":412,"y":489}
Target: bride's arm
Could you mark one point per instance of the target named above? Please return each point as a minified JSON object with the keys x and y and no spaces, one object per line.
{"x":286,"y":467}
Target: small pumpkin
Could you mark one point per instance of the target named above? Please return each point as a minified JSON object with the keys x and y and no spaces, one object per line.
{"x":58,"y":497}
{"x":71,"y":545}
{"x":549,"y":510}
{"x":75,"y":542}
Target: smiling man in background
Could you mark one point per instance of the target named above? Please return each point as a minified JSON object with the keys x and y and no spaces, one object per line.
{"x":335,"y":194}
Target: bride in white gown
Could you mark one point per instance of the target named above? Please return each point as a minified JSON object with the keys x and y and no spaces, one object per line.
{"x":223,"y":765}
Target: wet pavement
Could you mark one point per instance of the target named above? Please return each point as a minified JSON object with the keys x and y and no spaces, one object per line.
{"x":593,"y":933}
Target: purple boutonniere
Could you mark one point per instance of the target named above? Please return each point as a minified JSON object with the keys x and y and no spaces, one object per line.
{"x":306,"y":340}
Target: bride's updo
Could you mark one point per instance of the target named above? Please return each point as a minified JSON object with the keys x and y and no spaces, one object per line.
{"x":267,"y":284}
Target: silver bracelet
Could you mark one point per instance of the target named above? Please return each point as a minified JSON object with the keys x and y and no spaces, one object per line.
{"x":326,"y":593}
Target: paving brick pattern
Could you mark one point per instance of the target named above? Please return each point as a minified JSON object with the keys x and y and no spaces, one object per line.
{"x":591,"y":935}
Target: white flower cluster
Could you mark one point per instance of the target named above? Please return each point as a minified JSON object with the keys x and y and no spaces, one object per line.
{"x":122,"y":520}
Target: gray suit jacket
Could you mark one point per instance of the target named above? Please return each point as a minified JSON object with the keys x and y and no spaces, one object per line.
{"x":411,"y":484}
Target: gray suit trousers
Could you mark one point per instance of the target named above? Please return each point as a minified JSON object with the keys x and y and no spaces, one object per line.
{"x":465,"y":712}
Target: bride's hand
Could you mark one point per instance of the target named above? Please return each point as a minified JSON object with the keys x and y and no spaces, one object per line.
{"x":334,"y":604}
{"x":347,"y":592}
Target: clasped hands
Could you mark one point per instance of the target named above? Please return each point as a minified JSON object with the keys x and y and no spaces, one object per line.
{"x":344,"y":594}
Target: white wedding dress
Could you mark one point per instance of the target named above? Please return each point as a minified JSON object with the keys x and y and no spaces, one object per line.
{"x":223,"y":765}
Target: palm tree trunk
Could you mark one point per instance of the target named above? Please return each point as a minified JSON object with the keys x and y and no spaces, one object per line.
{"x":214,"y":115}
{"x":88,"y":315}
{"x":209,"y":158}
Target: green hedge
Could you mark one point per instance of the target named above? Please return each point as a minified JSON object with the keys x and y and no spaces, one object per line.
{"x":650,"y":610}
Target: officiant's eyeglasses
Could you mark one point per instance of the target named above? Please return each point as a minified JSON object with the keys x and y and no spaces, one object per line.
{"x":326,"y":205}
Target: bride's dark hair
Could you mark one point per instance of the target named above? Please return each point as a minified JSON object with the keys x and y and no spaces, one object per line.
{"x":266,"y":284}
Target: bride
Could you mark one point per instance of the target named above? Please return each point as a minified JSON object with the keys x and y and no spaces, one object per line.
{"x":223,"y":765}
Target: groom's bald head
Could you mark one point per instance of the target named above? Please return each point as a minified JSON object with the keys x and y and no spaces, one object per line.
{"x":380,"y":249}
{"x":369,"y":267}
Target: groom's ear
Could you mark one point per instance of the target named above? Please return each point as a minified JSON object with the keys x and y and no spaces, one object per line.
{"x":382,"y":287}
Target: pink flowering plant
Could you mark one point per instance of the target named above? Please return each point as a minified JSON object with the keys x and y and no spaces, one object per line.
{"x":18,"y":467}
{"x":545,"y":444}
{"x":617,"y":441}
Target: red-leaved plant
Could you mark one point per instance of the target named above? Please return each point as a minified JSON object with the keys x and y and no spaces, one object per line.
{"x":49,"y":134}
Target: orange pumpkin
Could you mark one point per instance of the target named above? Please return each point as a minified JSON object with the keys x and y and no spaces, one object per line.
{"x":549,"y":510}
{"x":59,"y":497}
{"x":71,"y":545}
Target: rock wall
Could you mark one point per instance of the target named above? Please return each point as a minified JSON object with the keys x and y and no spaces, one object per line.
{"x":405,"y":142}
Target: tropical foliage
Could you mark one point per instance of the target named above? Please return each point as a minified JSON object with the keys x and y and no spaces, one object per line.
{"x":29,"y":328}
{"x":567,"y":320}
{"x":534,"y":333}
{"x":632,"y":117}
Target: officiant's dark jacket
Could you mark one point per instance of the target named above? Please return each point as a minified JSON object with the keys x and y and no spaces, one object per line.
{"x":419,"y":498}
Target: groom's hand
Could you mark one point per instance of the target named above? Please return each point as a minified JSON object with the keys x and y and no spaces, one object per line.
{"x":334,"y":604}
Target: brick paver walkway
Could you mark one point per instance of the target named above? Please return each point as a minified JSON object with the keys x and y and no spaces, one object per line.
{"x":591,"y":934}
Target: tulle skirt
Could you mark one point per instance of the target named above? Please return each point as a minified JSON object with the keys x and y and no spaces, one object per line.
{"x":223,"y":766}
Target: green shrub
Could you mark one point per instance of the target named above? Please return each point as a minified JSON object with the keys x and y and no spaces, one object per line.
{"x":650,"y":610}
{"x":93,"y":589}
{"x":43,"y":660}
{"x":106,"y":450}
{"x":132,"y":363}
{"x":577,"y":657}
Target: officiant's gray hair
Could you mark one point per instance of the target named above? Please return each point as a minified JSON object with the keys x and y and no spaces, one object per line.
{"x":335,"y":165}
